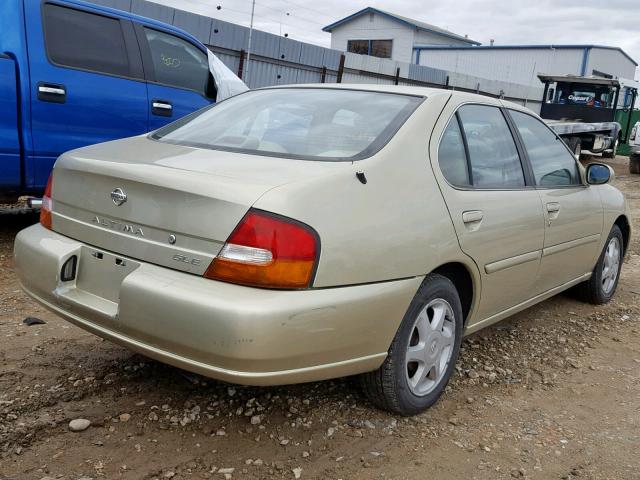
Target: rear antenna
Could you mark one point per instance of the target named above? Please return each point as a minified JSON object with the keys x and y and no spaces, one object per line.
{"x":361,"y":176}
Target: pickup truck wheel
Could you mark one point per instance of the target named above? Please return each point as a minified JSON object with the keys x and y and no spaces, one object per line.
{"x":634,"y":163}
{"x":423,"y":353}
{"x":613,"y":152}
{"x":602,"y":285}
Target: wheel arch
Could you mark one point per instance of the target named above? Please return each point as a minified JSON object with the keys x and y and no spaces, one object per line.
{"x":466,"y":284}
{"x":625,"y":227}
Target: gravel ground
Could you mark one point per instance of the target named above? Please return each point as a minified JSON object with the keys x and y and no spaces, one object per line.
{"x":552,"y":393}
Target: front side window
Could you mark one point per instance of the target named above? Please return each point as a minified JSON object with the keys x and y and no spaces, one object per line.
{"x":85,"y":40}
{"x":493,"y":155}
{"x":177,"y":62}
{"x":305,"y":123}
{"x":552,"y":163}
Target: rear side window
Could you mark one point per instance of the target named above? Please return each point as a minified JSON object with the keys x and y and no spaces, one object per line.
{"x":493,"y":155}
{"x":177,"y":62}
{"x":552,"y":163}
{"x":85,"y":40}
{"x":452,"y":156}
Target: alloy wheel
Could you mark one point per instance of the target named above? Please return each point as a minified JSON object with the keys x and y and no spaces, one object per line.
{"x":430,"y":347}
{"x":611,"y":265}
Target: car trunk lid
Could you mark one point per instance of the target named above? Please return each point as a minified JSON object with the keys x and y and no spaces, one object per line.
{"x":172,"y":205}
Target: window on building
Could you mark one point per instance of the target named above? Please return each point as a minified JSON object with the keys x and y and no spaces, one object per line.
{"x":177,"y":62}
{"x":358,"y":46}
{"x":84,"y":40}
{"x":375,"y":48}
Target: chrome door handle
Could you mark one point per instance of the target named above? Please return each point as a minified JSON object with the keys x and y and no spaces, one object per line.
{"x":472,"y":216}
{"x":163,"y":106}
{"x":51,"y":90}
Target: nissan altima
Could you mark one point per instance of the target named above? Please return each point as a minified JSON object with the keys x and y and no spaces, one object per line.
{"x":301,"y":233}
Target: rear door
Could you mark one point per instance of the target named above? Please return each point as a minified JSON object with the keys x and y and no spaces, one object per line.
{"x":177,"y":73}
{"x":496,"y":213}
{"x":573,"y":209}
{"x":86,"y":81}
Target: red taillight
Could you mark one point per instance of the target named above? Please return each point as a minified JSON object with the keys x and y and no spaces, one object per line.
{"x":47,"y":205}
{"x":267,"y":250}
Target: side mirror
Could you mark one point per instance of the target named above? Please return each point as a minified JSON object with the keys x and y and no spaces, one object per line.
{"x":599,"y":174}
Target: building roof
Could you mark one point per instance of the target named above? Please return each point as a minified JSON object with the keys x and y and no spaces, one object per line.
{"x":524,"y":47}
{"x":427,"y":27}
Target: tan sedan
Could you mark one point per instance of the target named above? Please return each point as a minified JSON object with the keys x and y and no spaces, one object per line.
{"x":302,"y":233}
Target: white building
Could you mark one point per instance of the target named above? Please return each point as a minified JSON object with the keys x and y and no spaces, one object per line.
{"x":386,"y":35}
{"x":522,"y":63}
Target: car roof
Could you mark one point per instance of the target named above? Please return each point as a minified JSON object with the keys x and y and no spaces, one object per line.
{"x":429,"y":92}
{"x":400,"y":89}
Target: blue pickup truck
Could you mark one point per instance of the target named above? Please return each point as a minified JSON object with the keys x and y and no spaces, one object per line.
{"x":73,"y":73}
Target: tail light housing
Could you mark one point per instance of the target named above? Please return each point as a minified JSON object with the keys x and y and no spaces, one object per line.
{"x":269,"y":251}
{"x":47,"y":204}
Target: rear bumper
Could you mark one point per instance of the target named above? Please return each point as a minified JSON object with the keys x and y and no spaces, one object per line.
{"x":228,"y":332}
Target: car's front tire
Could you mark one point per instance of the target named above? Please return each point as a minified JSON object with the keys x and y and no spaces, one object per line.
{"x":423,"y":353}
{"x":602,"y":285}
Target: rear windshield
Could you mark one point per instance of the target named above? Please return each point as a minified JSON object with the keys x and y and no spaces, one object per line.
{"x":304,"y":123}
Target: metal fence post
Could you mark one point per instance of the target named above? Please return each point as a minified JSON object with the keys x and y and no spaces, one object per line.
{"x":397,"y":80}
{"x":241,"y":63}
{"x":340,"y":69}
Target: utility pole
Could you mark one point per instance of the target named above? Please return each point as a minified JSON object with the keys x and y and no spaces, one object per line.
{"x":253,"y":8}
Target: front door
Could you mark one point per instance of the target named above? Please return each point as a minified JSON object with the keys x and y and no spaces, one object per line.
{"x":86,"y":82}
{"x":497,"y":216}
{"x":573,"y":210}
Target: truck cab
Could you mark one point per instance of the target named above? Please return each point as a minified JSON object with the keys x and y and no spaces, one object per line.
{"x":74,"y":73}
{"x":590,"y":113}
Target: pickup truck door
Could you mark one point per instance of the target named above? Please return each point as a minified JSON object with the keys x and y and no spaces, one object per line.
{"x":573,"y":210}
{"x":177,"y":72}
{"x":86,"y":81}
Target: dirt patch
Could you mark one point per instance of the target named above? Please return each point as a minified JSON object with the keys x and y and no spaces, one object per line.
{"x":553,"y":392}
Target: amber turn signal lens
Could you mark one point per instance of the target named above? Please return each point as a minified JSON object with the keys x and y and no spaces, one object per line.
{"x":267,"y":250}
{"x":47,"y":205}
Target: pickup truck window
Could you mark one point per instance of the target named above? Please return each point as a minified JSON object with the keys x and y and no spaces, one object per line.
{"x":84,"y":40}
{"x":176,"y":62}
{"x":552,"y":163}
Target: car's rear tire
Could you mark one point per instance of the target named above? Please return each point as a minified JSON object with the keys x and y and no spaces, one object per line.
{"x":602,"y":285}
{"x":423,"y":353}
{"x":634,"y":163}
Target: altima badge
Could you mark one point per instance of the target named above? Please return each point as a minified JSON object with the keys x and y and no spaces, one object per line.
{"x":118,"y":196}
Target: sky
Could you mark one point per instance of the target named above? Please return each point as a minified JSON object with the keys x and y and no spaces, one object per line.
{"x":601,"y":22}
